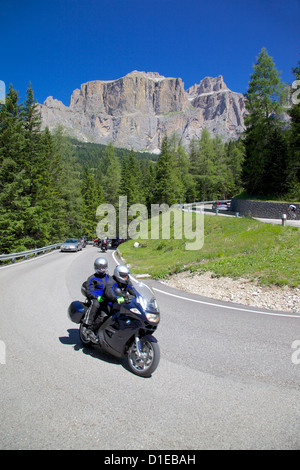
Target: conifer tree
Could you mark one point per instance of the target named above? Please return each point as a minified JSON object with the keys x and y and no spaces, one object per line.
{"x":234,"y":156}
{"x":183,"y":170}
{"x":67,"y":182}
{"x":110,"y":175}
{"x":148,"y":182}
{"x":293,"y":178}
{"x":92,"y":198}
{"x":14,"y":183}
{"x":168,"y":188}
{"x":131,"y":180}
{"x":264,"y":98}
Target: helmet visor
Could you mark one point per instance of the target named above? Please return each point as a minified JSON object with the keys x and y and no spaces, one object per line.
{"x":101,"y":269}
{"x":124,"y":276}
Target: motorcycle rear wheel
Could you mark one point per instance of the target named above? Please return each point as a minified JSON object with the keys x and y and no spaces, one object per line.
{"x":145,"y":365}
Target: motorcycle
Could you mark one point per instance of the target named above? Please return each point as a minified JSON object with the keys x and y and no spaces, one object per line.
{"x":104,"y":246}
{"x":96,"y":242}
{"x":128,"y":333}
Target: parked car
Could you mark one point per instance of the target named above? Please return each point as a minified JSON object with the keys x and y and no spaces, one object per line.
{"x":71,"y":244}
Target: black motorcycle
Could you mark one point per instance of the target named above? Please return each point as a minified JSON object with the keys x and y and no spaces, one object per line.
{"x":127,"y":333}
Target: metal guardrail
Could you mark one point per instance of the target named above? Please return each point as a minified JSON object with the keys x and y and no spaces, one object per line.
{"x":25,"y":254}
{"x":202,"y":203}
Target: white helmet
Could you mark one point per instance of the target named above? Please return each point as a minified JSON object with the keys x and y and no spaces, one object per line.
{"x":121,"y":274}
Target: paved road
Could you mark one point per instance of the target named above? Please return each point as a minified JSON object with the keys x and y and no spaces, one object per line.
{"x":288,"y":221}
{"x":226,"y":379}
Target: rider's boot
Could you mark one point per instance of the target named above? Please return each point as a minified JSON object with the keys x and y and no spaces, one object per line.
{"x":88,"y":332}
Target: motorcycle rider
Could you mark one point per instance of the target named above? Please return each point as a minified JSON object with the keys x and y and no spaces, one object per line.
{"x":292,"y":210}
{"x":94,"y":287}
{"x":119,"y":280}
{"x":104,"y":244}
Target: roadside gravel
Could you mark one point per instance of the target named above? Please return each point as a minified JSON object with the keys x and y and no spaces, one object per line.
{"x":242,"y":291}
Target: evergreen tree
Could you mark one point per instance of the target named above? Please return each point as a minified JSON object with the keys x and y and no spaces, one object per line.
{"x":183,"y":170}
{"x":111,"y":175}
{"x":168,"y":188}
{"x":92,"y":198}
{"x":264,"y":98}
{"x":293,"y":170}
{"x":205,"y":167}
{"x":14,"y":183}
{"x":11,"y":136}
{"x":148,"y":184}
{"x":37,"y":157}
{"x":131,"y":180}
{"x":67,"y":181}
{"x":234,"y":156}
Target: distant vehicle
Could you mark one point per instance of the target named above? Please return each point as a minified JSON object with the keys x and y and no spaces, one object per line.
{"x":71,"y":244}
{"x":116,"y":242}
{"x":104,"y":245}
{"x":221,"y":206}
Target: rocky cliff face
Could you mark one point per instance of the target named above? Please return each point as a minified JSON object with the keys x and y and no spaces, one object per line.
{"x":136,"y":111}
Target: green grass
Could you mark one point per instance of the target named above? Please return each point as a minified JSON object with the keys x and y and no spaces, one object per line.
{"x":234,"y":247}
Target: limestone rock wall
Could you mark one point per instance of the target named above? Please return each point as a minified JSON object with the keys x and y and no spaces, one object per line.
{"x":136,"y":111}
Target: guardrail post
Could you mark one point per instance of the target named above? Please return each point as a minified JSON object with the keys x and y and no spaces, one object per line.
{"x":283,"y":219}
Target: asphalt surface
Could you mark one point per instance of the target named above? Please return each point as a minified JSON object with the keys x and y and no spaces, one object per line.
{"x":228,"y":377}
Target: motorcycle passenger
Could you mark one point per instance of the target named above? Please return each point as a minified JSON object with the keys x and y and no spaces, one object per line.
{"x":94,"y":287}
{"x":119,"y":280}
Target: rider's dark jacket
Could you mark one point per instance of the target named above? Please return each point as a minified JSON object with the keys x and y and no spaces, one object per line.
{"x":95,"y":285}
{"x":113,"y":284}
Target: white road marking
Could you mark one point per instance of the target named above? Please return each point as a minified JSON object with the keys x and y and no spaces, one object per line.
{"x":227,"y":306}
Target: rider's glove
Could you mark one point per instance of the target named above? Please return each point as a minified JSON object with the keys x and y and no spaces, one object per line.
{"x":100,"y":298}
{"x":120,"y":300}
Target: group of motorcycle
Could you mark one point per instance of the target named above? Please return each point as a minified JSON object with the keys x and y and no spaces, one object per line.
{"x":126,"y":333}
{"x":106,"y":243}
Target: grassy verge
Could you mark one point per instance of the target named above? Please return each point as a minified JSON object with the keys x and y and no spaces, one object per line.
{"x":234,"y":247}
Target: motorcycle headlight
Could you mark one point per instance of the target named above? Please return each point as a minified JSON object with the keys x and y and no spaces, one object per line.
{"x":152,"y":317}
{"x":135,"y":310}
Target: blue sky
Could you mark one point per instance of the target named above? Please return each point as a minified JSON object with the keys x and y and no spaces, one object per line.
{"x":60,"y":44}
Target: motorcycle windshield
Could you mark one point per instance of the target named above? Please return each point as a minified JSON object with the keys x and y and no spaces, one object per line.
{"x":145,"y":298}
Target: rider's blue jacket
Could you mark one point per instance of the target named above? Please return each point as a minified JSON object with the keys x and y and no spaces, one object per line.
{"x":96,"y":284}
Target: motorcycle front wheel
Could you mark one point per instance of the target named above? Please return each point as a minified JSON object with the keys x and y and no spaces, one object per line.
{"x":145,"y":363}
{"x":85,"y":341}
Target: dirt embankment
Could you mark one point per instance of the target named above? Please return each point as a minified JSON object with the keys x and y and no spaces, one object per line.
{"x":241,"y":291}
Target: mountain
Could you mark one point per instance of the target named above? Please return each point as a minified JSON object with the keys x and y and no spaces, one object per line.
{"x":136,"y":111}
